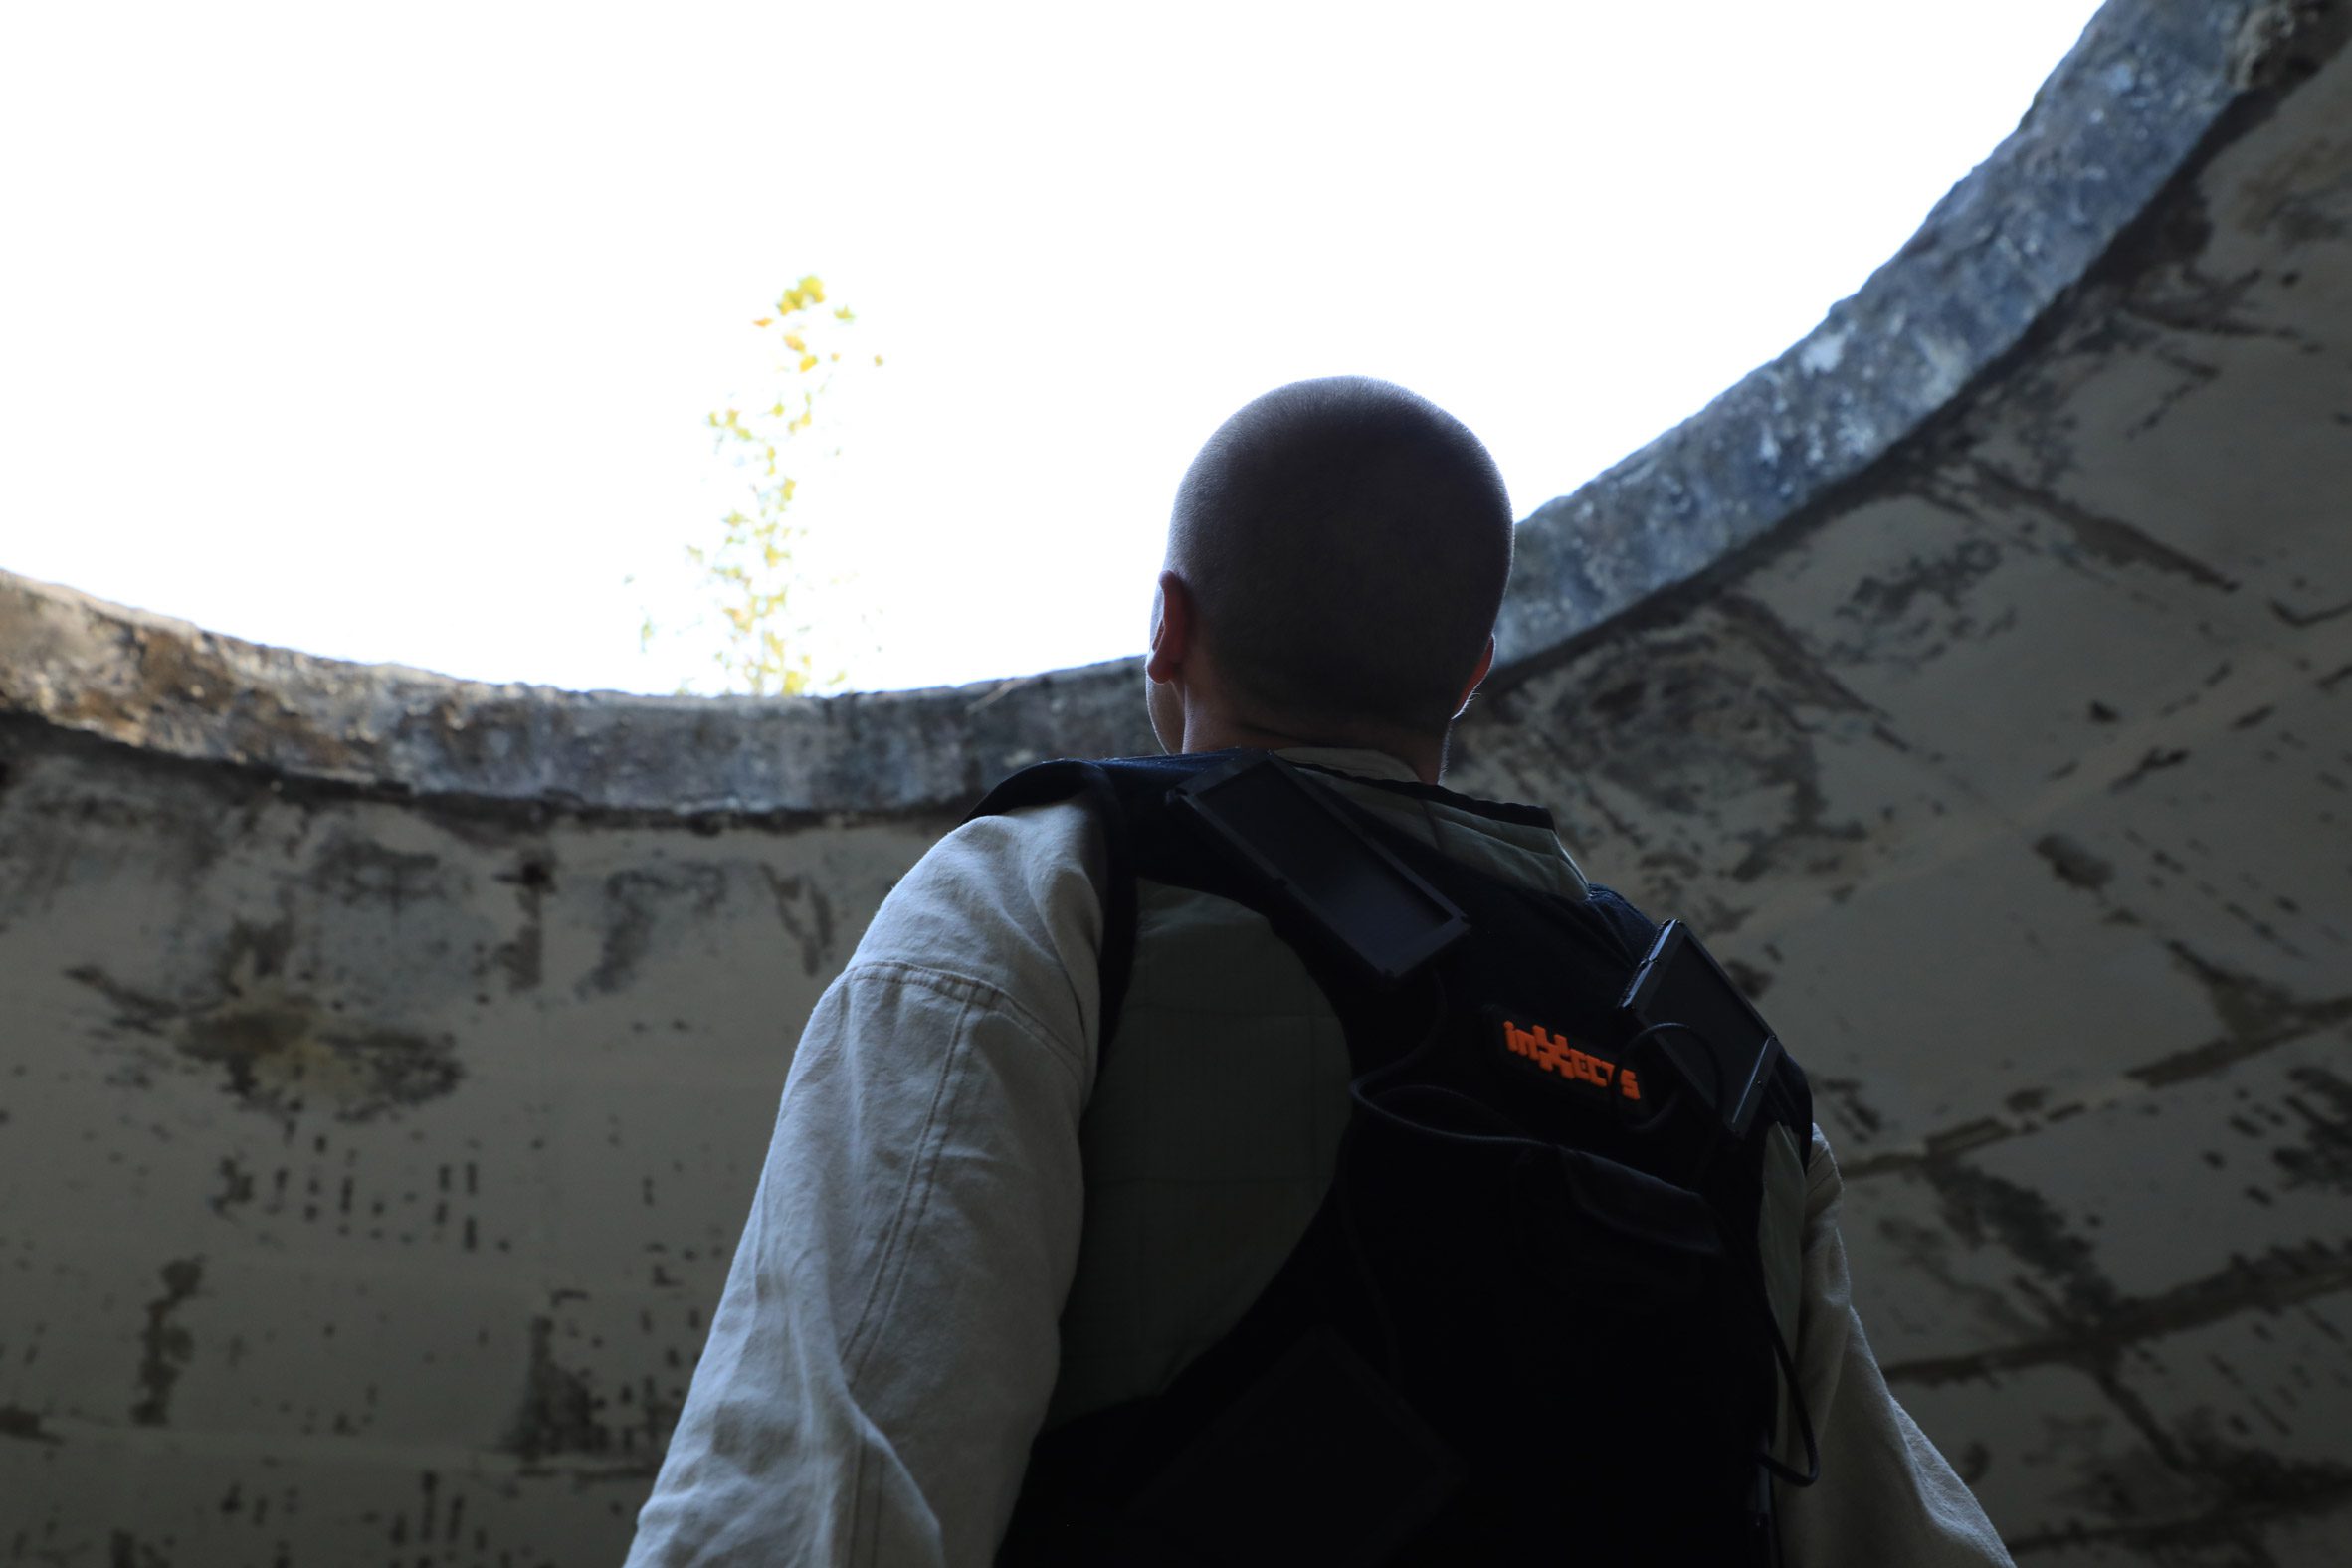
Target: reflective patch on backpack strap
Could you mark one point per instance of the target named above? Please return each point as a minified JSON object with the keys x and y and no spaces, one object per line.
{"x":1553,"y":1053}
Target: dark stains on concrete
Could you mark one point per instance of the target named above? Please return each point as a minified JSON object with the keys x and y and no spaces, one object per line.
{"x":1801,"y":677}
{"x":134,"y":1010}
{"x":2205,"y":1487}
{"x":2324,"y":1157}
{"x":524,"y":958}
{"x":1694,"y":719}
{"x":1981,"y":1207}
{"x":558,"y":1411}
{"x":2195,"y":377}
{"x":2303,"y":619}
{"x":1903,"y":617}
{"x":1946,"y":578}
{"x":23,"y":1425}
{"x":440,"y":1520}
{"x":282,"y":1052}
{"x":357,"y":870}
{"x":254,"y":952}
{"x":1845,"y":1094}
{"x":165,"y":1348}
{"x":557,"y":1414}
{"x":2282,"y":43}
{"x":2185,"y":299}
{"x":125,"y":1550}
{"x":2157,"y":759}
{"x":1968,"y":1135}
{"x":2109,"y":539}
{"x":2271,"y":1282}
{"x":1752,"y":981}
{"x":1798,"y":697}
{"x":282,"y":1056}
{"x":635,"y":901}
{"x":236,"y":1189}
{"x":2075,"y":865}
{"x":2299,"y":198}
{"x":2254,"y":1014}
{"x":2236,"y":1494}
{"x":814,"y":930}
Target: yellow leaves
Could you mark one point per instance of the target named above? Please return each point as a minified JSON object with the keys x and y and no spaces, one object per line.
{"x":810,"y":291}
{"x":753,"y":572}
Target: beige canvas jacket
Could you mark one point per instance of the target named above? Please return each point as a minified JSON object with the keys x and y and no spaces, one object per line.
{"x":890,"y":1335}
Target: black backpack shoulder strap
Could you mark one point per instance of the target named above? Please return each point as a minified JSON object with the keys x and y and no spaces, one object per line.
{"x":1142,"y":835}
{"x":1127,"y":796}
{"x":1092,"y":785}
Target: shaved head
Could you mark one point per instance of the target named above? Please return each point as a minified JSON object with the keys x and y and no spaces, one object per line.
{"x":1347,"y":544}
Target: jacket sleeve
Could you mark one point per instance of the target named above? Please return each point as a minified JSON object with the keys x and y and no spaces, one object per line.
{"x":885,"y":1343}
{"x":1886,"y":1494}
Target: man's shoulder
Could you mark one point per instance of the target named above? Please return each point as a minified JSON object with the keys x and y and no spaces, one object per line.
{"x":1051,"y":840}
{"x":1012,"y":901}
{"x":1029,"y":856}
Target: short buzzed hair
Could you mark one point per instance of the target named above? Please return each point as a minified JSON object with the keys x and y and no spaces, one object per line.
{"x":1346,"y":543}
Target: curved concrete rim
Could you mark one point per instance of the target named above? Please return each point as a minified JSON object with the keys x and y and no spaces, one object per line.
{"x":2150,"y":90}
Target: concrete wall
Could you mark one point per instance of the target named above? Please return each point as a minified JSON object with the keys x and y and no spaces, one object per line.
{"x":385,"y":1061}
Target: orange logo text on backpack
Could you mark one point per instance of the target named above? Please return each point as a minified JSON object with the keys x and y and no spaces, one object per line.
{"x":1553,"y":1053}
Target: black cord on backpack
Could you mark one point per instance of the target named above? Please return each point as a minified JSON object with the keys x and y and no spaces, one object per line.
{"x":1788,"y":1371}
{"x":1649,"y":1125}
{"x":1361,"y":1089}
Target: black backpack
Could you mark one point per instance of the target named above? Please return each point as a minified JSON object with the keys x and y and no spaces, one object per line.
{"x":1528,"y":1322}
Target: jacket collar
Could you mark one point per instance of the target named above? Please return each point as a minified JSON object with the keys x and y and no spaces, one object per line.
{"x":1348,"y":759}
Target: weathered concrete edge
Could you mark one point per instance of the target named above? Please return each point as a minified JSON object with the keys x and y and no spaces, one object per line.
{"x":170,"y":686}
{"x":2116,"y":120}
{"x":2124,"y":113}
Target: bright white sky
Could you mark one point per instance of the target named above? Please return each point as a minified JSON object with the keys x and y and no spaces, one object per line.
{"x":386,"y":331}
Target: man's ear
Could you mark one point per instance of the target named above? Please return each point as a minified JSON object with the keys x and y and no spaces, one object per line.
{"x":1174,"y":622}
{"x":1485,"y":663}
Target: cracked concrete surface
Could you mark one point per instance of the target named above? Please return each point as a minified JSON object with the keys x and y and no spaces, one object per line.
{"x":386,"y":1061}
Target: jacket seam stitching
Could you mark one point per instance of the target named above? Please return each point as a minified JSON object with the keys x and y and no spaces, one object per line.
{"x":948,"y":983}
{"x":916,"y":1198}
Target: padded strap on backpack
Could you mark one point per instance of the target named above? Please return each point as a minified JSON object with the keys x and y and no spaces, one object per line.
{"x":1046,"y":783}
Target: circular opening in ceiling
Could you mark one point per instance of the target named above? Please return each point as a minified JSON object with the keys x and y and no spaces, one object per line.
{"x":424,"y":375}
